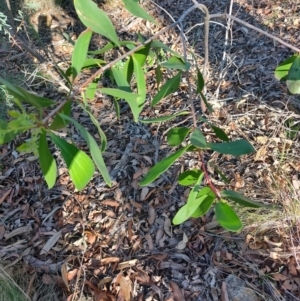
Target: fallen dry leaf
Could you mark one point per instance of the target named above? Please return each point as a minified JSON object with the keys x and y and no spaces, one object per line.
{"x":51,"y":242}
{"x":152,"y":215}
{"x":178,"y":295}
{"x":64,"y":275}
{"x":109,"y":260}
{"x":125,"y":287}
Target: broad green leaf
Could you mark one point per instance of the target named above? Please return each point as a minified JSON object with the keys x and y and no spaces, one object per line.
{"x":162,"y":166}
{"x":187,"y":211}
{"x":227,"y":218}
{"x":80,"y":166}
{"x":24,"y":96}
{"x":141,"y":54}
{"x":47,"y":162}
{"x":168,"y":88}
{"x":94,"y":149}
{"x":241,"y":199}
{"x":90,"y":91}
{"x":158,"y":75}
{"x":137,"y":11}
{"x":234,"y":148}
{"x":163,"y":118}
{"x":8,"y":134}
{"x":160,"y":45}
{"x":88,"y":63}
{"x":59,"y":123}
{"x":80,"y":52}
{"x":97,"y":125}
{"x":293,"y":77}
{"x":128,"y":69}
{"x":189,"y":177}
{"x":220,"y":133}
{"x":203,"y":207}
{"x":140,"y":81}
{"x":176,"y":136}
{"x":131,"y":99}
{"x":283,"y":68}
{"x":194,"y":193}
{"x":176,"y":63}
{"x":205,"y":204}
{"x":120,"y":79}
{"x":198,"y":139}
{"x":95,"y":18}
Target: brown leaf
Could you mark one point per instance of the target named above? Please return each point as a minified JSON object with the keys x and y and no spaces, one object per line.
{"x":90,"y":237}
{"x":111,"y":203}
{"x":136,"y":204}
{"x":17,"y":231}
{"x":64,"y":275}
{"x":4,"y":194}
{"x":109,"y":260}
{"x":125,"y":287}
{"x":47,"y":279}
{"x":152,"y":215}
{"x":71,"y":274}
{"x":178,"y":295}
{"x":149,"y":241}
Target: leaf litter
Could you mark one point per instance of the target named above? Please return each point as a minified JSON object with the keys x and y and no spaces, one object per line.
{"x":118,"y":243}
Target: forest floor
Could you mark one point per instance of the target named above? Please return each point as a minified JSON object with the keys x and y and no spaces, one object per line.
{"x":119,"y":243}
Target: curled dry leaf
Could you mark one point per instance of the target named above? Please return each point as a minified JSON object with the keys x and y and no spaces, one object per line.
{"x":72,"y":274}
{"x":109,"y":260}
{"x":111,"y":203}
{"x":182,"y":244}
{"x":64,"y":274}
{"x":178,"y":295}
{"x":168,"y":227}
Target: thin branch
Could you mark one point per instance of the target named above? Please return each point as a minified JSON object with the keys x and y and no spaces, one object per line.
{"x":294,"y":48}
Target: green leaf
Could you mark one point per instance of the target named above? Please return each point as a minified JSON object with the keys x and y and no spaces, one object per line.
{"x":80,"y":52}
{"x":94,"y":149}
{"x":241,"y":199}
{"x":24,"y":96}
{"x":163,"y":118}
{"x":162,"y":166}
{"x":234,"y":148}
{"x":192,"y":204}
{"x":130,"y":98}
{"x":187,"y":211}
{"x":158,"y":75}
{"x":283,"y":68}
{"x":206,"y":203}
{"x":220,"y":133}
{"x":203,"y":207}
{"x":95,"y":18}
{"x":176,"y":136}
{"x":88,"y":63}
{"x":137,"y":11}
{"x":59,"y":123}
{"x":141,"y":83}
{"x":47,"y":162}
{"x":81,"y":167}
{"x":90,"y":91}
{"x":189,"y":177}
{"x":141,"y":54}
{"x":168,"y":88}
{"x":128,"y":69}
{"x":160,"y":45}
{"x":120,"y":78}
{"x":97,"y":125}
{"x":198,"y":139}
{"x":176,"y":63}
{"x":293,"y":77}
{"x":200,"y":81}
{"x":227,"y":218}
{"x":7,"y":134}
{"x":208,"y":106}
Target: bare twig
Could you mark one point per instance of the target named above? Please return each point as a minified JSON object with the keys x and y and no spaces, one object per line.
{"x":292,"y":47}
